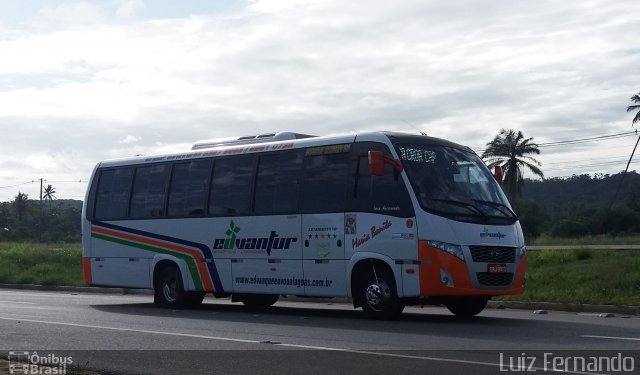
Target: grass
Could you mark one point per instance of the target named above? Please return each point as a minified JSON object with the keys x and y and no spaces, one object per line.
{"x":570,"y":276}
{"x":42,"y":264}
{"x":583,"y":276}
{"x":545,"y":240}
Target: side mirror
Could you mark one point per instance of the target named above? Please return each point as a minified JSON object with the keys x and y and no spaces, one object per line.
{"x":376,"y":163}
{"x":377,"y":160}
{"x":497,"y":173}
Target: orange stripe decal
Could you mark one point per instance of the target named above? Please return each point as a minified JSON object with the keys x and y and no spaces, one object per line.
{"x":86,"y":270}
{"x":195,"y":254}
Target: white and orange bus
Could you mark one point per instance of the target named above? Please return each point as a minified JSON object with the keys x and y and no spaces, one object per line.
{"x":388,"y":219}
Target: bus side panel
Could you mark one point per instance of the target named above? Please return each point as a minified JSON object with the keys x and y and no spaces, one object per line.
{"x":223,"y":266}
{"x":325,"y":277}
{"x":113,"y":264}
{"x":265,"y":252}
{"x":267,"y":276}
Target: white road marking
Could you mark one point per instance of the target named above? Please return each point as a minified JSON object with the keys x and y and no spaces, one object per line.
{"x":297,"y":346}
{"x":19,"y":303}
{"x":132,"y":330}
{"x":612,"y":337}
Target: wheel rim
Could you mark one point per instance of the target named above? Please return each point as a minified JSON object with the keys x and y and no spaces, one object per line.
{"x":378,"y":295}
{"x":169,"y":288}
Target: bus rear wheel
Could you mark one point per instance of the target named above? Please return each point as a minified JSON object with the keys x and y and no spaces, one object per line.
{"x":379,"y":297}
{"x":170,"y":290}
{"x":195,"y":298}
{"x":465,"y":307}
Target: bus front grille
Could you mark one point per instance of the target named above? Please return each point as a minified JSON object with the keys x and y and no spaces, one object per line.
{"x":494,"y":278}
{"x":493,"y":254}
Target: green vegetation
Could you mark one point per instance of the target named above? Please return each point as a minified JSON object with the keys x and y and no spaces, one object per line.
{"x":578,"y":206}
{"x":605,"y":277}
{"x":49,"y":220}
{"x":41,"y":264}
{"x":601,"y":239}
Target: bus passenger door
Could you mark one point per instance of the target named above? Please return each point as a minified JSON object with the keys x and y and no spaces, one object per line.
{"x":325,"y":181}
{"x":323,"y":254}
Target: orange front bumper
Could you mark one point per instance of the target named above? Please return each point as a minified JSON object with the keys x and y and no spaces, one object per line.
{"x":433,"y":260}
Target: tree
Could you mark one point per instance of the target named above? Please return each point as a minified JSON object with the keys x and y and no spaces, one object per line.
{"x":20,"y":204}
{"x":48,"y":193}
{"x":509,"y":150}
{"x":636,"y":118}
{"x":635,"y":107}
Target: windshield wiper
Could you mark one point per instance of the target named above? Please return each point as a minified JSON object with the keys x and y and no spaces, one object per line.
{"x":500,"y":207}
{"x":469,"y":206}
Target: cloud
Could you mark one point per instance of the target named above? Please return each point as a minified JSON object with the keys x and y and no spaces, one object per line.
{"x":69,"y":15}
{"x":130,"y":139}
{"x":86,"y":81}
{"x":128,"y":8}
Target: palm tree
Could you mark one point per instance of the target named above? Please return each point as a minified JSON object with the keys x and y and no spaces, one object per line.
{"x":635,"y":107}
{"x":20,"y":204}
{"x":509,"y":150}
{"x":49,"y":192}
{"x":636,"y":118}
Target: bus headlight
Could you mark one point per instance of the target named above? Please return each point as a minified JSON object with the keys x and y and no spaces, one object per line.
{"x":522,"y":252}
{"x":455,"y":250}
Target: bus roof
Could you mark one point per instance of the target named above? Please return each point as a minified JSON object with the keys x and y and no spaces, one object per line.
{"x":227,"y":149}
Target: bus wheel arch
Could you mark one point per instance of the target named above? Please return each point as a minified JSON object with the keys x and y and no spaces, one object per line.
{"x":168,"y":285}
{"x":374,"y":289}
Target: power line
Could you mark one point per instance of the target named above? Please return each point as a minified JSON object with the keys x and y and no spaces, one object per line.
{"x":16,"y":185}
{"x":597,"y":138}
{"x":589,"y":139}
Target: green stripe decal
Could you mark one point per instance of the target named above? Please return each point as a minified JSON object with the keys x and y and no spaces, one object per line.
{"x":191,"y":263}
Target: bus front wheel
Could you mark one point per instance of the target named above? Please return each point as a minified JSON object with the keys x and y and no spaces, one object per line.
{"x":379,"y":297}
{"x":466,"y":306}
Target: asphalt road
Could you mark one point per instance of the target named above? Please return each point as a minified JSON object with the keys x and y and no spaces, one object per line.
{"x":127,"y":334}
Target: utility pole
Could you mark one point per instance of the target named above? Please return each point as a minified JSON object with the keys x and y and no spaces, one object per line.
{"x":41,"y":213}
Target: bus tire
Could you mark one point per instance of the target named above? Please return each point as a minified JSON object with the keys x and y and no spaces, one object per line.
{"x":379,"y":297}
{"x":258,"y":300}
{"x":170,"y":290}
{"x":465,"y":307}
{"x":194,"y":299}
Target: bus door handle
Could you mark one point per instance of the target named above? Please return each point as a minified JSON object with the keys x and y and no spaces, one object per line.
{"x":306,"y":243}
{"x":339,"y":243}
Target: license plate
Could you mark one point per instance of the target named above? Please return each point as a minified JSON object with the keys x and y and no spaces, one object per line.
{"x":495,"y":268}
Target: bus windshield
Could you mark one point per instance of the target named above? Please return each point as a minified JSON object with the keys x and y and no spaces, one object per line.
{"x":455,"y":183}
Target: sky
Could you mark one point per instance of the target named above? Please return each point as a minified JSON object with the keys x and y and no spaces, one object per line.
{"x":85,"y":81}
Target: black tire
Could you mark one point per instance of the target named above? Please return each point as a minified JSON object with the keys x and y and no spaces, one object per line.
{"x":170,"y":290}
{"x":466,"y":307}
{"x":258,"y":300}
{"x":379,"y":297}
{"x":194,"y":299}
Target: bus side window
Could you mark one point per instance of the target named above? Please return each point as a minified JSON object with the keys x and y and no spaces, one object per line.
{"x":188,"y":189}
{"x":112,"y":196}
{"x":378,"y":194}
{"x":277,"y":183}
{"x":149,"y":192}
{"x":325,"y":183}
{"x":231,"y":183}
